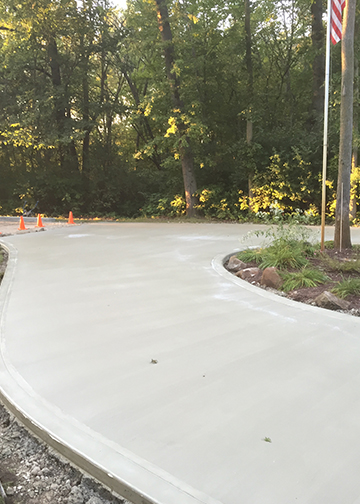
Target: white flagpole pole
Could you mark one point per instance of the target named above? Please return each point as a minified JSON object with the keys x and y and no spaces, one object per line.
{"x":326,"y":115}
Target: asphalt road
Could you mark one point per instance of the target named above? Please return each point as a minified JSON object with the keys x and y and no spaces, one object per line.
{"x":130,"y":348}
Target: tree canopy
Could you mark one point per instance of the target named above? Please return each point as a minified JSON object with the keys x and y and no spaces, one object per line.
{"x":100,"y":109}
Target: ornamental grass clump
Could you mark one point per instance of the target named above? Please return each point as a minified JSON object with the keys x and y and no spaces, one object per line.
{"x":251,"y":255}
{"x":282,"y":254}
{"x":348,"y":287}
{"x":284,"y":247}
{"x":306,"y":277}
{"x":340,"y":266}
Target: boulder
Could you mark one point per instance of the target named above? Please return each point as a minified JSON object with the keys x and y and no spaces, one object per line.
{"x":271,"y":278}
{"x":250,"y":274}
{"x":235,"y":264}
{"x":331,"y":302}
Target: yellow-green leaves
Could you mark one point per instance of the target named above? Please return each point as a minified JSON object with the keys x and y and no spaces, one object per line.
{"x":173,"y":128}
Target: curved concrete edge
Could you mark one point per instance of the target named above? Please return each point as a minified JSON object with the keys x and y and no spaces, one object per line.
{"x":218,"y":265}
{"x":118,"y":469}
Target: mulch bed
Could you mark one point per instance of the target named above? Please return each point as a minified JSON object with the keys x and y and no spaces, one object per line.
{"x":308,"y":294}
{"x":305,"y":295}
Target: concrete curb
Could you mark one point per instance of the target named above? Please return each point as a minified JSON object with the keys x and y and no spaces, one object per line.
{"x":218,"y":265}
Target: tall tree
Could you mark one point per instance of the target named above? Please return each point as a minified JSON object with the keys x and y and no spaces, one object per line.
{"x":250,"y":91}
{"x":342,"y":236}
{"x":318,"y":64}
{"x":186,"y":156}
{"x":354,"y":178}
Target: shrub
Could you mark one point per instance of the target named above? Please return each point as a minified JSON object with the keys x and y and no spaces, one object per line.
{"x":340,"y":266}
{"x":214,"y":202}
{"x":284,"y":254}
{"x":347,"y":287}
{"x":251,"y":255}
{"x":285,"y":246}
{"x":306,"y":277}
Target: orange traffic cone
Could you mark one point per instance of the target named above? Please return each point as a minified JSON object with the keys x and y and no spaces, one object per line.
{"x":39,"y":223}
{"x":71,"y":219}
{"x":22,"y":224}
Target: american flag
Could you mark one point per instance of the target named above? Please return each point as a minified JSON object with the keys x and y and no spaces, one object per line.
{"x":337,"y":6}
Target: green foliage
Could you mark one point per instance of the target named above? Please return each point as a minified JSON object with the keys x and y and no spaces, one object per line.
{"x":284,"y":247}
{"x":347,"y":287}
{"x":284,"y":254}
{"x":287,"y":232}
{"x":287,"y":184}
{"x":157,"y":206}
{"x":306,"y":277}
{"x":217,"y":203}
{"x":327,"y":245}
{"x":251,"y":255}
{"x":87,"y":121}
{"x":340,"y":266}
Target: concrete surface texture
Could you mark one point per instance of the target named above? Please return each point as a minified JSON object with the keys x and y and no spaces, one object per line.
{"x":131,"y":349}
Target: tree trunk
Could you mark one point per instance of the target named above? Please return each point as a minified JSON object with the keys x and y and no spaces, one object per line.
{"x":318,"y":64}
{"x":186,"y":156}
{"x":342,"y":237}
{"x":249,"y":65}
{"x":354,"y":164}
{"x":86,"y":119}
{"x":155,"y":157}
{"x":67,"y":153}
{"x":250,"y":90}
{"x":58,"y":102}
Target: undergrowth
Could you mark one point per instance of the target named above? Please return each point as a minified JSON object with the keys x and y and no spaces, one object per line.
{"x":283,"y":255}
{"x":289,"y":248}
{"x":347,"y":287}
{"x":285,"y":246}
{"x":306,"y":277}
{"x":340,"y":266}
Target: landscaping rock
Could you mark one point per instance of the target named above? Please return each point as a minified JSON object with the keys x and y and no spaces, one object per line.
{"x":271,"y":278}
{"x":76,"y":496}
{"x":331,"y":302}
{"x":235,"y":264}
{"x":250,"y":274}
{"x":94,"y":500}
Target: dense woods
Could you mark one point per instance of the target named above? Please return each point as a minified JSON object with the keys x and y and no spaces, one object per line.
{"x":214,"y":108}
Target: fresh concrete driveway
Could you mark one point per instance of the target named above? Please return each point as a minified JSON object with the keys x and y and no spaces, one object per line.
{"x":85,"y":310}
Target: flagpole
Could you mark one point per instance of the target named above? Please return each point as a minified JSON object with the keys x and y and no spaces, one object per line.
{"x":326,"y":116}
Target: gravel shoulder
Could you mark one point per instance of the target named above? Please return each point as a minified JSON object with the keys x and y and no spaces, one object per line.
{"x":33,"y":473}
